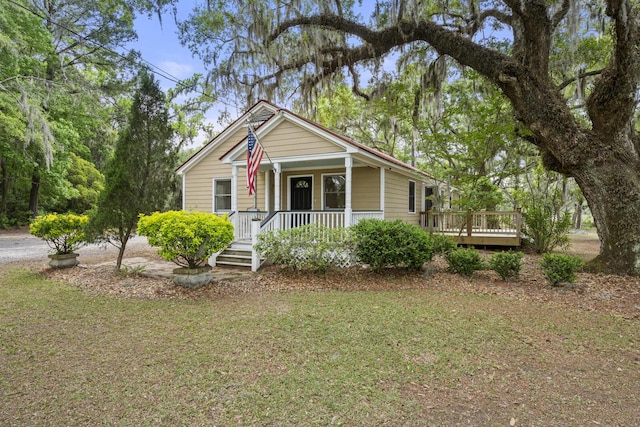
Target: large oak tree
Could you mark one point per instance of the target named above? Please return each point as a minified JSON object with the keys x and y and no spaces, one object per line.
{"x":277,"y":47}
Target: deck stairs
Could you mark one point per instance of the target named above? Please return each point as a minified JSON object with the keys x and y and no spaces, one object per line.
{"x":238,"y":254}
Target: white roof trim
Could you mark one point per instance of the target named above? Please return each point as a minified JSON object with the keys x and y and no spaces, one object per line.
{"x":223,"y":136}
{"x":233,"y":156}
{"x":291,"y":159}
{"x":281,"y":116}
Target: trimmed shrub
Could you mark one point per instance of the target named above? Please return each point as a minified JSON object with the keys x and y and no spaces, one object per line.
{"x":464,"y":261}
{"x":381,"y":244}
{"x":506,"y":264}
{"x":309,"y":247}
{"x":187,"y":238}
{"x":442,"y":244}
{"x":64,"y":233}
{"x":559,"y":268}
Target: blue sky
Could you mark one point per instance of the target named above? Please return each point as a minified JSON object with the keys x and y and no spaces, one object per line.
{"x":159,"y":45}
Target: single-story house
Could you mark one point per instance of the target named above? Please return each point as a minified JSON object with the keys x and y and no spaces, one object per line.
{"x":308,"y":174}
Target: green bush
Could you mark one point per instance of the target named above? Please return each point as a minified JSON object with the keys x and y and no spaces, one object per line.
{"x":442,"y":244}
{"x":559,"y":268}
{"x":381,"y":244}
{"x":464,"y":261}
{"x":544,"y":230}
{"x":64,"y":233}
{"x":311,"y":247}
{"x":506,"y":264}
{"x":187,"y":238}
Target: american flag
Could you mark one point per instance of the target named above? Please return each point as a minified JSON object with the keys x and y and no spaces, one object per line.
{"x":254,"y":157}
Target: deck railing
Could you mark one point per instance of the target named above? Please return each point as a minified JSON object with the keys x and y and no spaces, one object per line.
{"x":470,"y":223}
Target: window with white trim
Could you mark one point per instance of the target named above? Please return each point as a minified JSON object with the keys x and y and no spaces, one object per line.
{"x":222,"y":195}
{"x":412,"y":197}
{"x":334,"y":187}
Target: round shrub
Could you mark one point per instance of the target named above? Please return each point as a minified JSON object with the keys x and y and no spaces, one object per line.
{"x":442,"y":244}
{"x":506,"y":264}
{"x":559,"y":268}
{"x":464,"y":261}
{"x":64,"y":233}
{"x":187,"y":238}
{"x":381,"y":244}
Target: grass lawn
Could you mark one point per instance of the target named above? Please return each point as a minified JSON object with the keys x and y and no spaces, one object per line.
{"x":412,"y":357}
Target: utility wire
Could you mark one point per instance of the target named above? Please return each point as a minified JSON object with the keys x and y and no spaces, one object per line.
{"x":144,"y":63}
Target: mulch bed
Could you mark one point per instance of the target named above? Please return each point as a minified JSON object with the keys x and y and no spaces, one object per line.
{"x":618,"y":295}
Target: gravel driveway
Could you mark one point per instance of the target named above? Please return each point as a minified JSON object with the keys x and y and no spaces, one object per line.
{"x":18,"y":246}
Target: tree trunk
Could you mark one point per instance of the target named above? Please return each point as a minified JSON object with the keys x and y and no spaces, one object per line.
{"x":612,"y":191}
{"x":5,"y":186}
{"x":124,"y":238}
{"x":33,"y":195}
{"x":577,"y":216}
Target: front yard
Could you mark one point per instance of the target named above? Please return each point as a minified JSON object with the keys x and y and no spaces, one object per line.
{"x":340,"y":349}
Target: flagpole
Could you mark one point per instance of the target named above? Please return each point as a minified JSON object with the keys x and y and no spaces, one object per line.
{"x":255,"y":192}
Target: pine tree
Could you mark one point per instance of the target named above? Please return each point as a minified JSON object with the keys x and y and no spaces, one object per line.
{"x":139,"y":177}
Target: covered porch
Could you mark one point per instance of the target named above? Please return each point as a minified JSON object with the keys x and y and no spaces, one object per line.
{"x":332,"y":189}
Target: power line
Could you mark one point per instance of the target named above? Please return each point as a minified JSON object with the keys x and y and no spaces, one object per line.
{"x":144,"y":63}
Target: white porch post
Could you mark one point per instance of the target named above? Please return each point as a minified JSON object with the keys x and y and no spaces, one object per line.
{"x":348,"y":164}
{"x":382,"y":180}
{"x":267,"y":187}
{"x":255,"y":256}
{"x":276,"y":197}
{"x":234,"y":196}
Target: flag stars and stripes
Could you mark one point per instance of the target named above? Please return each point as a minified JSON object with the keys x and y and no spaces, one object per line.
{"x":254,"y":157}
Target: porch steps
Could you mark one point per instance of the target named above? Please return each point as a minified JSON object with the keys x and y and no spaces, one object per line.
{"x":236,"y":255}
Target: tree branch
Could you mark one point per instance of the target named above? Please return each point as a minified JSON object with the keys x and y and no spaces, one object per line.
{"x":560,"y":14}
{"x":486,"y":61}
{"x":578,"y":77}
{"x":612,"y":103}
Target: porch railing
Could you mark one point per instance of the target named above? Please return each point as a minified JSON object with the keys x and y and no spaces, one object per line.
{"x":284,"y":220}
{"x":242,"y":222}
{"x":356,"y":216}
{"x":470,"y":223}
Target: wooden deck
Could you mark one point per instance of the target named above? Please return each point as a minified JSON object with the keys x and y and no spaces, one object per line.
{"x":481,"y":228}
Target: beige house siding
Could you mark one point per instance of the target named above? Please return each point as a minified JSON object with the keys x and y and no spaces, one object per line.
{"x":365,"y":189}
{"x":198,"y":188}
{"x":288,"y":139}
{"x":396,"y":198}
{"x":245,"y":201}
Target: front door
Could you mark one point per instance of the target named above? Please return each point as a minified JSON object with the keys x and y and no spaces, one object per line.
{"x":301,"y":199}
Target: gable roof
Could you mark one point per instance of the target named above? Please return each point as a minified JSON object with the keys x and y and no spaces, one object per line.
{"x":266,"y":112}
{"x":260,"y":109}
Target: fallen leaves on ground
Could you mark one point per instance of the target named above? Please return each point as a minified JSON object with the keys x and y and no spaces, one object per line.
{"x":619,"y":295}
